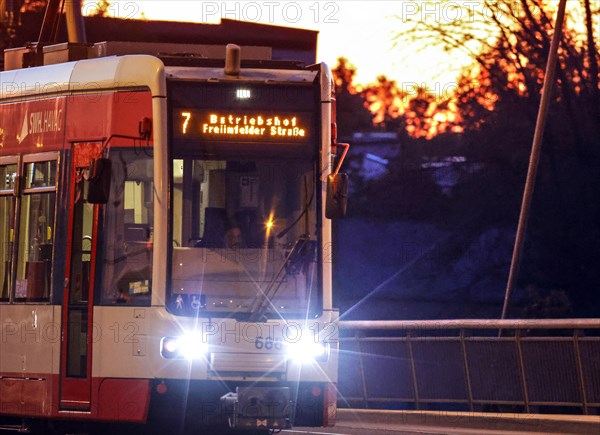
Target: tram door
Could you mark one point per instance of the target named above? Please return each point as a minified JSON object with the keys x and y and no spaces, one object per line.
{"x":77,"y":309}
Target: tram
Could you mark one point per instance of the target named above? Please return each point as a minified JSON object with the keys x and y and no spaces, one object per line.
{"x":165,"y":243}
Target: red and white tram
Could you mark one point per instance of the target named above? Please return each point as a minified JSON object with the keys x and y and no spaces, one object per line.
{"x":165,"y":258}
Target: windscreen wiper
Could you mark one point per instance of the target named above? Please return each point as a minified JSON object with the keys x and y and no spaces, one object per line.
{"x":302,"y":254}
{"x":293,"y":224}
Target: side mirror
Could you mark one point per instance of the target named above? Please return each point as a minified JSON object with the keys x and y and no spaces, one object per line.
{"x":99,"y":181}
{"x":337,"y":196}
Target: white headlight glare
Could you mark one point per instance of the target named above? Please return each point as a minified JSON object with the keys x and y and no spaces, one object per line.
{"x":189,"y":346}
{"x":192,"y":345}
{"x":307,"y":351}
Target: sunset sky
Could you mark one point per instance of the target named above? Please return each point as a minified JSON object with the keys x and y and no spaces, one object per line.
{"x":362,"y":31}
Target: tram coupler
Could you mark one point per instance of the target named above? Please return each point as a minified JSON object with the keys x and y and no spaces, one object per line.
{"x":258,"y":408}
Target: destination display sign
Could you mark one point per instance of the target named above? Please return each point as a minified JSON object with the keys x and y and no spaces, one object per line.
{"x":242,"y":125}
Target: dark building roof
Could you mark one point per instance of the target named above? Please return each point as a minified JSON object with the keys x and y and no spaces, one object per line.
{"x":287,"y":43}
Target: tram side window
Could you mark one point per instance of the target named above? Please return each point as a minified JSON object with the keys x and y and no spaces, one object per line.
{"x":128,"y":230}
{"x":36,"y":226}
{"x":8,"y":175}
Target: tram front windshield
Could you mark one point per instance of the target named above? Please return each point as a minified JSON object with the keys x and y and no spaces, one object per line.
{"x":244,"y":199}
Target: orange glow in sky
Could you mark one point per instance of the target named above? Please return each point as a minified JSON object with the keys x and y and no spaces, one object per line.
{"x":361,"y":31}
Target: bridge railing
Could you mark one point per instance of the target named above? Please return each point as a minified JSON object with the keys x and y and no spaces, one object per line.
{"x":477,"y":365}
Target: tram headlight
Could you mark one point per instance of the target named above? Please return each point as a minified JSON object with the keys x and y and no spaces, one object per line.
{"x":191,"y":345}
{"x":306,"y":351}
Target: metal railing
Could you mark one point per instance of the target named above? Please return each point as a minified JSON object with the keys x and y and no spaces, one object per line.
{"x":476,"y":365}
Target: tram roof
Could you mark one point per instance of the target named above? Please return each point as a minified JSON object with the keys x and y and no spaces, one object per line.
{"x":124,"y":72}
{"x":90,"y":75}
{"x":258,"y":75}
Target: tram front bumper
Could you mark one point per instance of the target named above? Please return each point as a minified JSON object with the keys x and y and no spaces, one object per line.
{"x":259,"y":408}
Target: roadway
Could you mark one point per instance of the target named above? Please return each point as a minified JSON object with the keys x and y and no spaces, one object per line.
{"x":373,"y":422}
